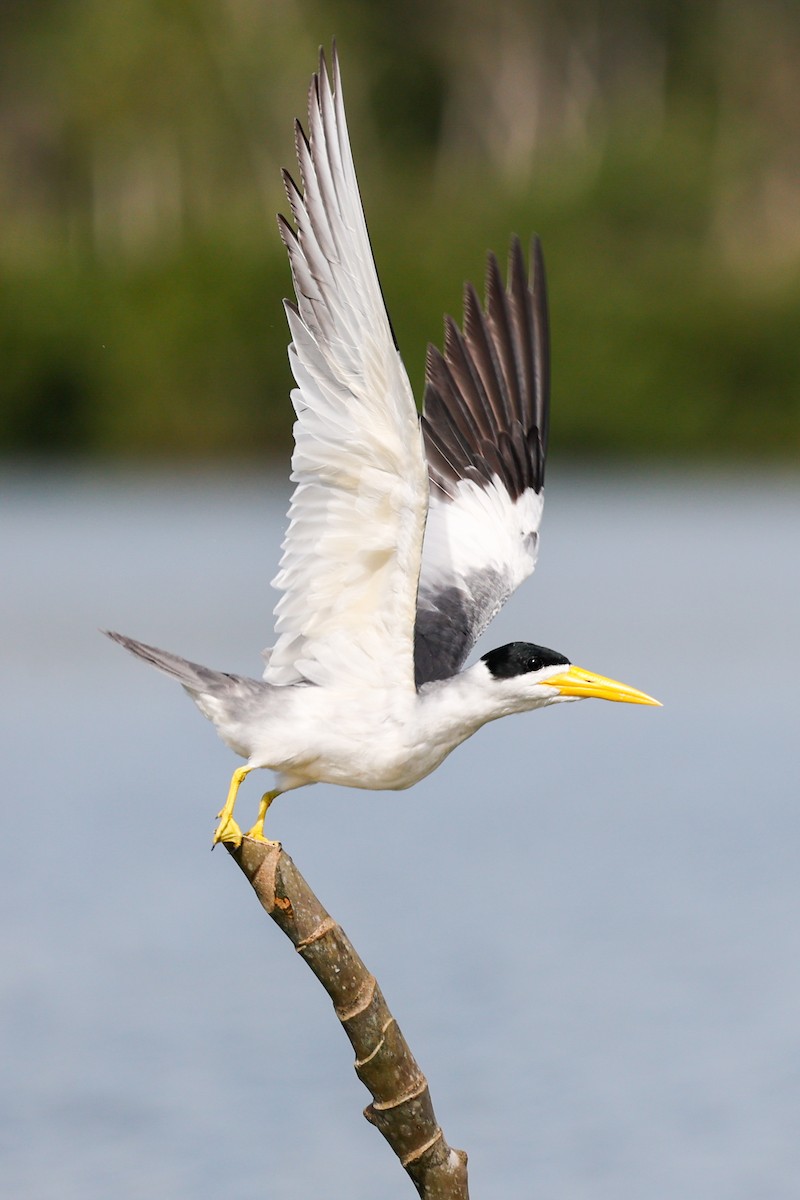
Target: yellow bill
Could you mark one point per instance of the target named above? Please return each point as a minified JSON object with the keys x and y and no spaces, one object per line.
{"x":577,"y":682}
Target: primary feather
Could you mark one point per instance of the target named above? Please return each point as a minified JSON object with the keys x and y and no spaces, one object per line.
{"x":351,"y":556}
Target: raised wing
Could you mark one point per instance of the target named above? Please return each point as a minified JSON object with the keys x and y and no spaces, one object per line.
{"x":351,"y":556}
{"x":485,"y":423}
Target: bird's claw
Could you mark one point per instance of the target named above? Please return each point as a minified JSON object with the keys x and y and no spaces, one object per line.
{"x":227,"y":831}
{"x":257,"y":834}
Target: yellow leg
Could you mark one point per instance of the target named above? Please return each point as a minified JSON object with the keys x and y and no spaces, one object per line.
{"x":257,"y":831}
{"x":228,"y":830}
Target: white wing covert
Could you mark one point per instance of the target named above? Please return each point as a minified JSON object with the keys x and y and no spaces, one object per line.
{"x":485,"y":426}
{"x":351,"y":556}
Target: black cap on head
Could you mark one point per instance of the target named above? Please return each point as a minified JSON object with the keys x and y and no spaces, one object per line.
{"x":520,"y":658}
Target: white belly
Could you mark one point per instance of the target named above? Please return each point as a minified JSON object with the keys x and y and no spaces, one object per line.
{"x":377,"y":741}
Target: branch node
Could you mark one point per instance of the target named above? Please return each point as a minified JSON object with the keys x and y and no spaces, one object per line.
{"x":362,"y":1062}
{"x":322,"y":929}
{"x":414,"y":1155}
{"x":395,"y":1102}
{"x":366,"y":994}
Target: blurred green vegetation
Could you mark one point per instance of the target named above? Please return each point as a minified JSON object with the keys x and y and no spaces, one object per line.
{"x":654,"y":146}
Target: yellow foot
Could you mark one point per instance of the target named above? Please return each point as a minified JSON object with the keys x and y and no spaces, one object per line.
{"x":228,"y":830}
{"x":259,"y":837}
{"x":257,"y":831}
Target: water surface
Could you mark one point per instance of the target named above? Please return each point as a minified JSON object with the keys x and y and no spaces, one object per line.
{"x":587,"y":922}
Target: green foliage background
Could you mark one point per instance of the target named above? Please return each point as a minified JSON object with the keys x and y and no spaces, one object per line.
{"x":654,"y":146}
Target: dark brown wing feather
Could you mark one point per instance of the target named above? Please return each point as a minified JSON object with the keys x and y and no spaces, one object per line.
{"x":486,"y":402}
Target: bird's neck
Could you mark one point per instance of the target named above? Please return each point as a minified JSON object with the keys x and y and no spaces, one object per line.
{"x":457,"y":707}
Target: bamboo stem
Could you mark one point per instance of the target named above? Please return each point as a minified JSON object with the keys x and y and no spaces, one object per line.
{"x":401,"y":1104}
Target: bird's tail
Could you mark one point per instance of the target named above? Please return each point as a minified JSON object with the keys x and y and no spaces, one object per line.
{"x":226,"y":700}
{"x":195,"y":679}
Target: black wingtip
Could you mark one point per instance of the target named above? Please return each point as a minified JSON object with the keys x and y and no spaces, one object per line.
{"x":541,"y":321}
{"x":493,"y":280}
{"x":516,"y":259}
{"x":287,"y":234}
{"x":494,"y":378}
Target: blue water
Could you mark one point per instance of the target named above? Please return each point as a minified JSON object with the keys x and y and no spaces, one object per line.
{"x":587,"y":922}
